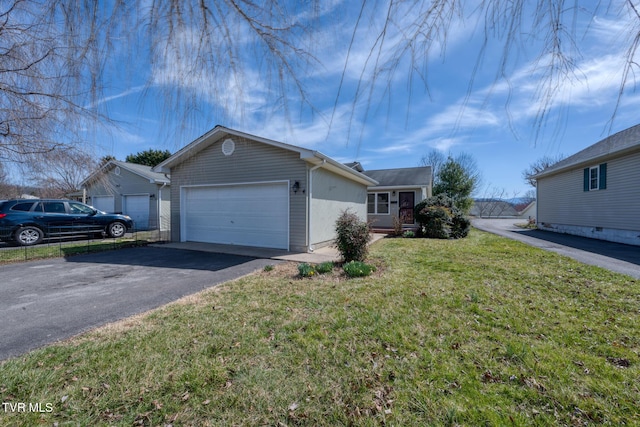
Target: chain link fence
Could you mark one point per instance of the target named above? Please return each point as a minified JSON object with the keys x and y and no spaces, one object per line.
{"x":76,"y":245}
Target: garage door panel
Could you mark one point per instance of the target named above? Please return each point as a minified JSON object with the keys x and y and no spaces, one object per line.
{"x":137,"y":207}
{"x":247,"y":215}
{"x":103,"y":203}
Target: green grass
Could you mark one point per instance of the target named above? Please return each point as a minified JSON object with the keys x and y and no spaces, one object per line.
{"x":477,"y":331}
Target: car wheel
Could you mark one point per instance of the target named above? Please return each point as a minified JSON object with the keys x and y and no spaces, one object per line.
{"x":27,"y":236}
{"x":116,"y":229}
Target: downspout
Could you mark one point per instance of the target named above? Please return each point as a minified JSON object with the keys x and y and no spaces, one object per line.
{"x":537,"y":203}
{"x":164,"y":184}
{"x":309,"y":199}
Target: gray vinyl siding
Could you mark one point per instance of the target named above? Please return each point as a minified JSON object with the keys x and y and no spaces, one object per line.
{"x":127,"y":183}
{"x":333,"y":194}
{"x":250,"y":162}
{"x":562,"y":199}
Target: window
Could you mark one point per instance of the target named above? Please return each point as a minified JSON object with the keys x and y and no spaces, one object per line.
{"x":79,"y":208}
{"x":378,"y":203}
{"x":25,"y":207}
{"x":54,"y":207}
{"x":595,"y":177}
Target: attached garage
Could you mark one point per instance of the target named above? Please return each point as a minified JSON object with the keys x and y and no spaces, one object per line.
{"x":255,"y":214}
{"x":232,"y":188}
{"x":137,"y":207}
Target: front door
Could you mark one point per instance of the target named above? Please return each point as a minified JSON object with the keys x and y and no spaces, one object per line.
{"x":406,"y":202}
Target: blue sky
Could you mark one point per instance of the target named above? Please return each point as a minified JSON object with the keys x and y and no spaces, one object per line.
{"x":494,"y":119}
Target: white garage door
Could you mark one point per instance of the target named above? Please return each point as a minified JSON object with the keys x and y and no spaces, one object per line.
{"x":137,"y":207}
{"x":244,"y":214}
{"x":103,"y":203}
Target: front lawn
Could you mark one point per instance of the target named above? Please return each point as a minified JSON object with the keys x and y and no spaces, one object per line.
{"x":477,"y":331}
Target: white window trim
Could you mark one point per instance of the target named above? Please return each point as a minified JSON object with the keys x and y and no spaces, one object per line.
{"x":375,"y":200}
{"x":597,"y":169}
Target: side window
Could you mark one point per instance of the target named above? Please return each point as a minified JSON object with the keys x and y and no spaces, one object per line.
{"x":79,"y":208}
{"x":595,"y":178}
{"x":23,"y":207}
{"x":54,"y":207}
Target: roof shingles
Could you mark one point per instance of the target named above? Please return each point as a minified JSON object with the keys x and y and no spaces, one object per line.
{"x":622,"y":141}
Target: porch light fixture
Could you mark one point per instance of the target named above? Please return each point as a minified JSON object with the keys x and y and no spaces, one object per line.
{"x":296,"y":186}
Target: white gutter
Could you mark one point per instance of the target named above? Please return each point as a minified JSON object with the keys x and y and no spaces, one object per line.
{"x":309,"y":199}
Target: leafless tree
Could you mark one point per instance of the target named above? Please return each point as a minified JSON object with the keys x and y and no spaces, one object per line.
{"x":551,"y":30}
{"x":51,"y":55}
{"x":538,"y":166}
{"x":5,"y":186}
{"x":59,"y":172}
{"x":54,"y":54}
{"x":494,"y":202}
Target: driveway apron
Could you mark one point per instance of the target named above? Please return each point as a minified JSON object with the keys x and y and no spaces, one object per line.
{"x":51,"y":300}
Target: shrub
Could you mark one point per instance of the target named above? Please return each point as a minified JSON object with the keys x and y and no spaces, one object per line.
{"x":325,"y":267}
{"x":269,"y":267}
{"x":358,"y":269}
{"x":306,"y":270}
{"x":408,"y":234}
{"x":460,"y":226}
{"x":434,"y":220}
{"x":397,"y":225}
{"x":353,"y":235}
{"x":439,"y":218}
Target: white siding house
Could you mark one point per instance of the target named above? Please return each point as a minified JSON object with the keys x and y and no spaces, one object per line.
{"x":596,"y":192}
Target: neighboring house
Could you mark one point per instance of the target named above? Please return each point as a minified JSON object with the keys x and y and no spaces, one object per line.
{"x":498,"y":208}
{"x":230,"y":187}
{"x":397,"y":193}
{"x":133,"y":190}
{"x":596,"y":192}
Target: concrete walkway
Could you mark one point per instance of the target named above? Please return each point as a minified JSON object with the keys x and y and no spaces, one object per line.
{"x":616,"y":257}
{"x":327,"y":253}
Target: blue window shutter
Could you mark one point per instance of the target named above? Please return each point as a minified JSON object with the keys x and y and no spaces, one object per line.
{"x":603,"y":177}
{"x":586,"y":179}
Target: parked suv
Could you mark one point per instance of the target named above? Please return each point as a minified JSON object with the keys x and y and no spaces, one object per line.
{"x":28,"y":221}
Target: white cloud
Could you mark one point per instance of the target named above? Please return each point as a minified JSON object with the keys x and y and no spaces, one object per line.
{"x":106,"y":99}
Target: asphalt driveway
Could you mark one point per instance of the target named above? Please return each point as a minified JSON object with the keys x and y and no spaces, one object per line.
{"x":51,"y":300}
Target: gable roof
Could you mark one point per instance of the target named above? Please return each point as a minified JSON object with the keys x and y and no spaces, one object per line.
{"x":219,"y":132}
{"x":355,"y":165}
{"x":618,"y":144}
{"x":143,"y":171}
{"x":402,"y":177}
